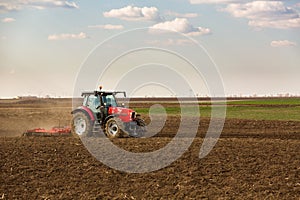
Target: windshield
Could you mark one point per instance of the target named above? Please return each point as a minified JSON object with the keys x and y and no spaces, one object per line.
{"x":121,"y":99}
{"x":109,"y":100}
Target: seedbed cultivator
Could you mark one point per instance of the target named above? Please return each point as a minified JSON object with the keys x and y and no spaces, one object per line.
{"x":55,"y":131}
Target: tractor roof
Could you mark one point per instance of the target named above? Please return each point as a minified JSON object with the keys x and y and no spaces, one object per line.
{"x":103,"y":93}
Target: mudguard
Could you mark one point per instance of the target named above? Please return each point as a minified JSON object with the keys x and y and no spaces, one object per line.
{"x":86,"y":110}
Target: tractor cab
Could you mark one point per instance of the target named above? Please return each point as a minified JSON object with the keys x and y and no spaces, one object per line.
{"x":101,"y":102}
{"x":108,"y":99}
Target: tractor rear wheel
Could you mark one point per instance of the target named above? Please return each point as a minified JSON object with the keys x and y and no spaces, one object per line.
{"x":114,"y":128}
{"x":81,"y":124}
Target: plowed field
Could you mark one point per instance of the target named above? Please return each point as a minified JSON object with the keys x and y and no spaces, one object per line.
{"x":252,"y":160}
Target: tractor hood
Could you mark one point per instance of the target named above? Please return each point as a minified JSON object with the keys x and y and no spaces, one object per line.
{"x":125,"y":114}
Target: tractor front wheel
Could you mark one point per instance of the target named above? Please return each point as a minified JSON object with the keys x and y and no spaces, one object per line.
{"x":113,"y":128}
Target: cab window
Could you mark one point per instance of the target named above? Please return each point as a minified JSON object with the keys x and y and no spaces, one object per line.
{"x":93,"y":102}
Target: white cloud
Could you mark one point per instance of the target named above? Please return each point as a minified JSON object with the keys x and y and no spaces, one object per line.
{"x":6,"y":6}
{"x":280,"y":24}
{"x":213,"y":1}
{"x":184,"y":15}
{"x":8,"y":20}
{"x":43,"y":4}
{"x":67,"y":36}
{"x":170,"y":42}
{"x":270,"y":14}
{"x":181,"y":25}
{"x":107,"y":27}
{"x":13,"y":5}
{"x":282,"y":43}
{"x":131,"y":13}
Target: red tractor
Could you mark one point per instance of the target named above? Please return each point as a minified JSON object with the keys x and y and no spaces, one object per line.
{"x":100,"y":110}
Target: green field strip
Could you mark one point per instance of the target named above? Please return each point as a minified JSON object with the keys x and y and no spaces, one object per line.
{"x":237,"y":112}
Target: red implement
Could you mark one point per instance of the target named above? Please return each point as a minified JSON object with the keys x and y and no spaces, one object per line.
{"x":55,"y":131}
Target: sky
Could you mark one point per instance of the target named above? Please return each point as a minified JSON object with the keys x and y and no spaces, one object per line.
{"x":253,"y":45}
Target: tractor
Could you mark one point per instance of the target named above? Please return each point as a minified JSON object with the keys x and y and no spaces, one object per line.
{"x":100,"y":111}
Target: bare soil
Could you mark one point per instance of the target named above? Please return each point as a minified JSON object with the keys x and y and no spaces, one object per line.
{"x":252,"y":160}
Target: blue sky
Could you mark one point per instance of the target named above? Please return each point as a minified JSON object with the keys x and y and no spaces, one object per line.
{"x":255,"y":44}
